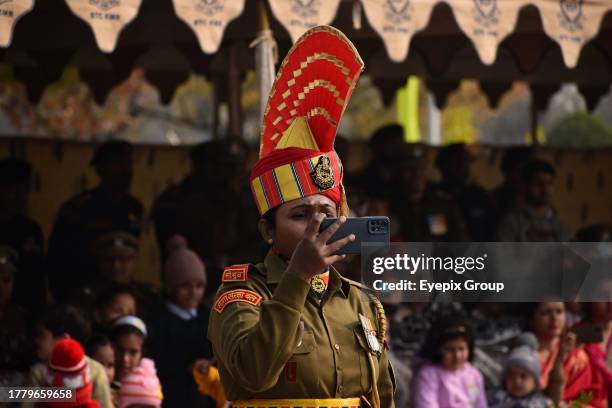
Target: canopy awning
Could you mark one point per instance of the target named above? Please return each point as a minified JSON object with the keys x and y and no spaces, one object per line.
{"x":544,"y":42}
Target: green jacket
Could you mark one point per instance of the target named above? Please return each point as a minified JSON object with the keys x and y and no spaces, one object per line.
{"x":288,"y":344}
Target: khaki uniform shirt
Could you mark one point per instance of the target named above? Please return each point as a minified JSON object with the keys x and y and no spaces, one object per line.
{"x":293,"y":345}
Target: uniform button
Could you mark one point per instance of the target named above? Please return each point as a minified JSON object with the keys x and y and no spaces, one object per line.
{"x":337,"y":346}
{"x":340,"y":389}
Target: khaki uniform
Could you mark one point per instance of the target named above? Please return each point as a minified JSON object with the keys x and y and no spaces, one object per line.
{"x":288,"y":344}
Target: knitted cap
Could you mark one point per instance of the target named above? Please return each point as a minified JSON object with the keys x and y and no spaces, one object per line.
{"x":524,"y":357}
{"x":141,"y":386}
{"x":68,"y":368}
{"x":182,"y":266}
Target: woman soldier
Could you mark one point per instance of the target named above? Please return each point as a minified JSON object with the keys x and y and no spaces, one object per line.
{"x":291,"y":331}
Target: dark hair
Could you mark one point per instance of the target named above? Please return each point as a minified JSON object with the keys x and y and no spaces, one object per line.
{"x":109,"y":151}
{"x":62,"y":320}
{"x":124,"y":330}
{"x":270,"y":216}
{"x":528,"y":310}
{"x":15,"y":171}
{"x":447,"y":329}
{"x":447,"y":153}
{"x":515,"y":156}
{"x":536,"y":166}
{"x":386,"y":134}
{"x":95,"y":342}
{"x":107,"y":296}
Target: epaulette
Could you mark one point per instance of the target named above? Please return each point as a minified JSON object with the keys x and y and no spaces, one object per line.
{"x":235,"y":273}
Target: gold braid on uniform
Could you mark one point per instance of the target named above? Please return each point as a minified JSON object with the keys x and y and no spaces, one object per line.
{"x":381,"y":316}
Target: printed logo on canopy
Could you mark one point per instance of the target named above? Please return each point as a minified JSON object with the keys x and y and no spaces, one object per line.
{"x":396,"y":21}
{"x":107,"y":18}
{"x":10,"y":12}
{"x":208,"y":19}
{"x":298,"y":16}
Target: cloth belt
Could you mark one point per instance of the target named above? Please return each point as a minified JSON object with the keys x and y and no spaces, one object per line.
{"x":299,"y":403}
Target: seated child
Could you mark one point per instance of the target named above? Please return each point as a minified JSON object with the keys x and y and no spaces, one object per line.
{"x":521,"y":380}
{"x":68,"y":370}
{"x":57,"y":324}
{"x":177,"y":338}
{"x":447,"y":379}
{"x":139,"y":383}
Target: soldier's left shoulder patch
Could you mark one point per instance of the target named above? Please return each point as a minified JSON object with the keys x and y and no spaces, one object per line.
{"x":235,"y":273}
{"x":237,"y":295}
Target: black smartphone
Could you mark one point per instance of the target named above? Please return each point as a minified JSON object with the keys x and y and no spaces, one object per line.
{"x":588,"y":333}
{"x":373,"y":230}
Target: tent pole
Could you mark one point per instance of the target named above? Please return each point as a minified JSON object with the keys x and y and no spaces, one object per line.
{"x":533,"y":121}
{"x":234,"y":85}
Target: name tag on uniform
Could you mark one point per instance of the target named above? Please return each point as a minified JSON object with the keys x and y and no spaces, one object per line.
{"x":370,"y":333}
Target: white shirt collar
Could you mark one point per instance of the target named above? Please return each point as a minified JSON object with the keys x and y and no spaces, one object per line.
{"x":180,"y":312}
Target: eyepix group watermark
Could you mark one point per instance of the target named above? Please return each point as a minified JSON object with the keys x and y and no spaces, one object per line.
{"x":425,"y":285}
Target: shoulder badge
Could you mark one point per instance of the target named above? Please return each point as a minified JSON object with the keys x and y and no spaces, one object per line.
{"x":323,"y":174}
{"x":237,"y":295}
{"x":235,"y":273}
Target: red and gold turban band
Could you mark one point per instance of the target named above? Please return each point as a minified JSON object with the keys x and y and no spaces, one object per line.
{"x":307,"y":101}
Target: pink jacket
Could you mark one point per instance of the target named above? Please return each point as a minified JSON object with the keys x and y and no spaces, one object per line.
{"x":435,"y":387}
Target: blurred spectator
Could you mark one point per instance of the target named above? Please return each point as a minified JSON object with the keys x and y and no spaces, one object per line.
{"x":115,"y":255}
{"x":599,"y":314}
{"x":512,"y":163}
{"x":382,"y":144}
{"x":23,"y":234}
{"x":178,"y":331}
{"x":213,"y":196}
{"x":139,"y":382}
{"x":14,"y":358}
{"x":89,"y":215}
{"x":453,"y":161}
{"x":533,"y":218}
{"x":100,"y":348}
{"x":59,"y":323}
{"x":112,"y":303}
{"x":566,"y":369}
{"x":68,"y":368}
{"x":521,"y":380}
{"x":424,"y":214}
{"x":447,"y":379}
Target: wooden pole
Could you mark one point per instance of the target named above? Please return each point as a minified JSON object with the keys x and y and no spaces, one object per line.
{"x":233,"y":93}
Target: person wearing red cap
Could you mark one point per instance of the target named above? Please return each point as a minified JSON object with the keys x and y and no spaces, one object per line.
{"x":68,"y":369}
{"x":292,"y":331}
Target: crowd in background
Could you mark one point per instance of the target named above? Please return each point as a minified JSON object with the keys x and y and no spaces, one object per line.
{"x":73,"y":301}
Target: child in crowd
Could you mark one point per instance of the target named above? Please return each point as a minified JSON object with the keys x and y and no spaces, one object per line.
{"x":57,"y":324}
{"x":448,"y":379}
{"x":178,"y":333}
{"x":115,"y":301}
{"x":68,"y":369}
{"x":101,"y":349}
{"x":521,"y":379}
{"x":139,"y":383}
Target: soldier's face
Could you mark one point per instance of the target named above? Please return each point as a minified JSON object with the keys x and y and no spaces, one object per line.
{"x":292,"y":219}
{"x":118,"y":268}
{"x":455,"y":353}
